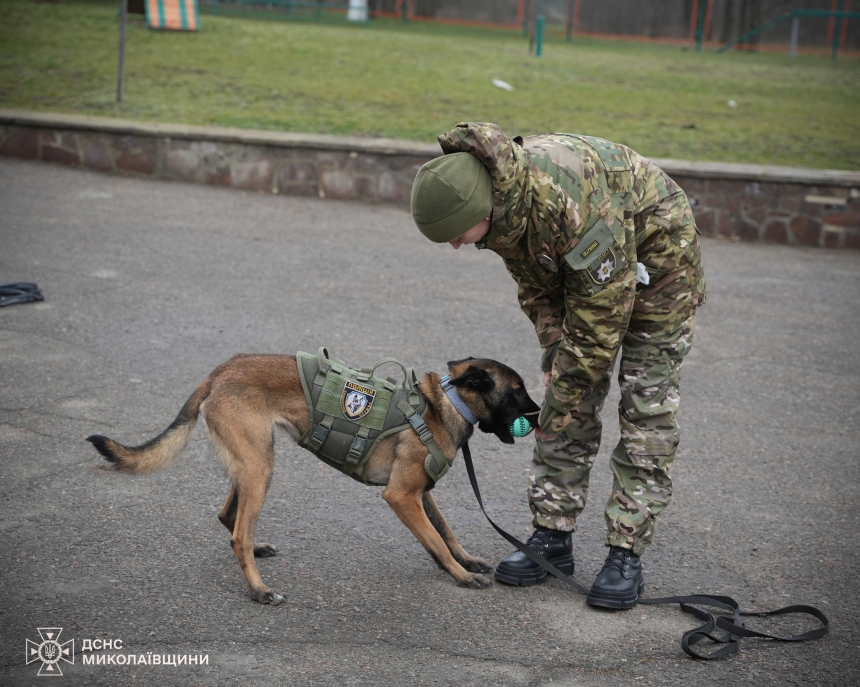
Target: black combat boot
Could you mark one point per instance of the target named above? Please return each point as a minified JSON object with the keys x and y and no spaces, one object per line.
{"x":552,"y":545}
{"x":620,"y":582}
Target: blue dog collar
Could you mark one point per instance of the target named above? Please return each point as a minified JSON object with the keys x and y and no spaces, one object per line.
{"x":457,"y":402}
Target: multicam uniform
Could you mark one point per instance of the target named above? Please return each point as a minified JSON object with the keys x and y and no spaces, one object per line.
{"x":572,"y":217}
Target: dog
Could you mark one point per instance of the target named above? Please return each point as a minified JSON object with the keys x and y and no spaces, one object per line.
{"x":243,"y":400}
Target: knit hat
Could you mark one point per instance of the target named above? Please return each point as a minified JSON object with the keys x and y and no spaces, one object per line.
{"x":450,"y":195}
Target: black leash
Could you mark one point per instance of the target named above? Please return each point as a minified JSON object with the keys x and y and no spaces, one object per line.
{"x":733,"y":626}
{"x":19,"y":292}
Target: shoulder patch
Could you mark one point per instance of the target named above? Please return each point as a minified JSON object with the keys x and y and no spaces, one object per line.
{"x":596,"y":255}
{"x":603,"y":268}
{"x":590,"y":246}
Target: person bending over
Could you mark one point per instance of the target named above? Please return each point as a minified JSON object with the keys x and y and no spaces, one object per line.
{"x":605,"y":251}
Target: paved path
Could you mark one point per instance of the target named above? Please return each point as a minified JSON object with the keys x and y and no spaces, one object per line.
{"x":149,"y":285}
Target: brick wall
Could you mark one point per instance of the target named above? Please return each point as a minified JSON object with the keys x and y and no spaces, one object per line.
{"x":812,"y":214}
{"x":341,"y":174}
{"x":737,"y":202}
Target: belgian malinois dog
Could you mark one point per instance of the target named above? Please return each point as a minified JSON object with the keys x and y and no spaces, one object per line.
{"x":246,"y":397}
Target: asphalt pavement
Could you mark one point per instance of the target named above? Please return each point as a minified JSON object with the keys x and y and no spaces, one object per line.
{"x":149,"y":285}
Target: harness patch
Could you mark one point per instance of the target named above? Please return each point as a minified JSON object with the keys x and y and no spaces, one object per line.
{"x":356,"y":400}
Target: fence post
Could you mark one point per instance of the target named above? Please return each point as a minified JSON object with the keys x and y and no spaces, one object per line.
{"x":700,"y":27}
{"x":121,"y":66}
{"x":539,"y":34}
{"x":694,"y":19}
{"x":526,"y":4}
{"x":404,"y":8}
{"x":837,"y":34}
{"x":570,"y":4}
{"x":795,"y":30}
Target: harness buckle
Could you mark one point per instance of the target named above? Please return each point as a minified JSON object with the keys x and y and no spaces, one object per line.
{"x":321,"y":432}
{"x":355,"y":450}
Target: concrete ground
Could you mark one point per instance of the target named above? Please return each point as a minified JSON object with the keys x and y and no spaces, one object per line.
{"x":149,"y":285}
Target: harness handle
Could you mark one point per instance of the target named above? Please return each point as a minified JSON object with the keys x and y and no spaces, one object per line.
{"x":385,"y":361}
{"x":410,"y":379}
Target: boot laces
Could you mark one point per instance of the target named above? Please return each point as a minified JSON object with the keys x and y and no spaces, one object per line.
{"x":617,"y":559}
{"x":538,"y":541}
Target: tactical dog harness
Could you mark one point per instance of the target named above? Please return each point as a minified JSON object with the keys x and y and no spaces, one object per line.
{"x":351,"y":411}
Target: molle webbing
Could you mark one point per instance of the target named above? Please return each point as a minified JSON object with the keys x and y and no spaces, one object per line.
{"x":351,"y":411}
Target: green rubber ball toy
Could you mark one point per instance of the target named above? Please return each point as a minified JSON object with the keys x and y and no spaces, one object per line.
{"x":520,"y":427}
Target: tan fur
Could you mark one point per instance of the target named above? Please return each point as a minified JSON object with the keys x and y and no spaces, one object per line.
{"x":241,"y":402}
{"x":154,"y":455}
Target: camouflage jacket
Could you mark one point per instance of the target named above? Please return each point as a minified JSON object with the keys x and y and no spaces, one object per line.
{"x":572,"y":215}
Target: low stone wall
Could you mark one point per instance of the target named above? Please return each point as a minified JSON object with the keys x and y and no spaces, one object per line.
{"x":750,"y":202}
{"x":773,"y":204}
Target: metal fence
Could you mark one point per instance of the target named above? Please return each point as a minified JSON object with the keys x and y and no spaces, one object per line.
{"x":673,"y":20}
{"x":679,"y":21}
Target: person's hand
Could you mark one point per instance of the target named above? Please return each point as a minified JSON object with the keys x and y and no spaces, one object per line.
{"x":547,"y":378}
{"x":547,"y":415}
{"x":550,"y":421}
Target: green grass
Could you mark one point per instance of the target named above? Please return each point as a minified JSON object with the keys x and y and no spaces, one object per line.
{"x":416,"y":81}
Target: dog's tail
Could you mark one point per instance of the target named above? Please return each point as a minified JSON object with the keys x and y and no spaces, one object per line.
{"x":158,"y":452}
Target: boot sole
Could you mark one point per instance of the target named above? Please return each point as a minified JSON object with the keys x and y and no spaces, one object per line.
{"x":515,"y":578}
{"x":617,"y":602}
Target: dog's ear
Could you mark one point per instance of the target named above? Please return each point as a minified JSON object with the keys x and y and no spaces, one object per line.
{"x":452,"y":363}
{"x":474,"y":378}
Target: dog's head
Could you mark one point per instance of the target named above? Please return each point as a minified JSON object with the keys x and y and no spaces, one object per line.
{"x":494,"y":393}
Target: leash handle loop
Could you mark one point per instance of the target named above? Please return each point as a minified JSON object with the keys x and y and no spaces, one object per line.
{"x":733,"y":626}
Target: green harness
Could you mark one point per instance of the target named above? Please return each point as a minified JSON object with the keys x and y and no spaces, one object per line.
{"x":351,"y":411}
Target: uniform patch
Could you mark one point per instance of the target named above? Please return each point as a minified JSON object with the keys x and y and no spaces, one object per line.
{"x":602,"y":269}
{"x":356,"y":400}
{"x":590,"y":249}
{"x":597,"y":256}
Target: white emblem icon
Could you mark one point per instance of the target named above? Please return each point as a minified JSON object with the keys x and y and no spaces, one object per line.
{"x":355,"y":403}
{"x":605,"y":271}
{"x":50,"y":652}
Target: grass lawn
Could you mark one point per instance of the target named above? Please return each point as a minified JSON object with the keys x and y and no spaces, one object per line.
{"x":418,"y":80}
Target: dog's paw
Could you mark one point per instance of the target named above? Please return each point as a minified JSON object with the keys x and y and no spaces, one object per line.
{"x":266,"y":596}
{"x":264,"y":549}
{"x":477,"y":582}
{"x":478,"y":565}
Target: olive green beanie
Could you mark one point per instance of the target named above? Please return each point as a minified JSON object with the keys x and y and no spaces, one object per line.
{"x":450,"y":195}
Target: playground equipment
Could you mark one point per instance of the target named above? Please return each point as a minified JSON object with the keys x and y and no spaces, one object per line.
{"x":572,"y":9}
{"x":173,"y":15}
{"x":795,"y":16}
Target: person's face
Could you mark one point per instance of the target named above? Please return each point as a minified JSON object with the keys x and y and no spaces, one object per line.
{"x":473,"y":235}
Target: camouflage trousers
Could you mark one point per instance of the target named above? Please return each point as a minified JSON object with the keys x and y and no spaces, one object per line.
{"x":658,"y":336}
